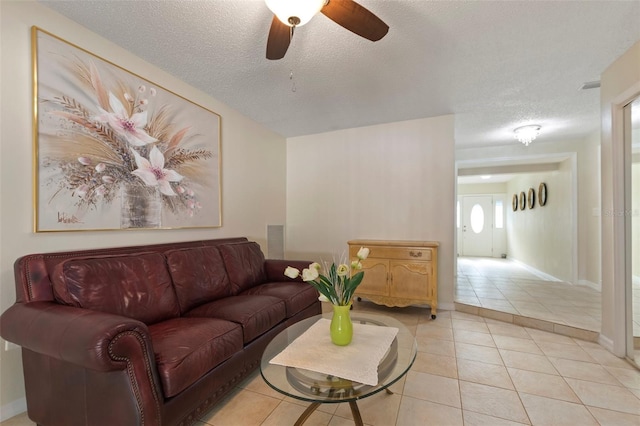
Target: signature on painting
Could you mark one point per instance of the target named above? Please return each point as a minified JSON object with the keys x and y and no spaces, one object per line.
{"x":66,"y":218}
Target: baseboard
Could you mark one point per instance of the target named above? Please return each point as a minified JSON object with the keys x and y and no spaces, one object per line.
{"x":606,"y":343}
{"x":446,"y":306}
{"x":13,"y":408}
{"x":590,"y":284}
{"x":537,"y":272}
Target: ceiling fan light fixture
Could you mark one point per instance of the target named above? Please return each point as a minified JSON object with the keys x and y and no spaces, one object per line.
{"x":295,"y":13}
{"x":527,"y":134}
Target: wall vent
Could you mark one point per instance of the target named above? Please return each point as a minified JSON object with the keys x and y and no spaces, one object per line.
{"x":590,"y":85}
{"x":275,"y":241}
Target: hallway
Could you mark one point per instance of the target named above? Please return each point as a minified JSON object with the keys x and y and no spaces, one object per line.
{"x":504,"y":285}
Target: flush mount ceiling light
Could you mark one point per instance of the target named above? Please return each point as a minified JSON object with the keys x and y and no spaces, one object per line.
{"x":526,"y":134}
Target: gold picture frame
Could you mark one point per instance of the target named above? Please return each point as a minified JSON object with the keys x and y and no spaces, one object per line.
{"x":113,"y":150}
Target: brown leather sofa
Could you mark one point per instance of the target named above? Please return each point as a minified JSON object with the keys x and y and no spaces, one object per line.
{"x":146,"y":335}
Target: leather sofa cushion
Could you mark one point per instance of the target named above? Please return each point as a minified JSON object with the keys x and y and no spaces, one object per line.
{"x":256,"y":314}
{"x":244,"y":263}
{"x":198,"y":275}
{"x":296,"y":296}
{"x":136,"y":285}
{"x":186,"y":348}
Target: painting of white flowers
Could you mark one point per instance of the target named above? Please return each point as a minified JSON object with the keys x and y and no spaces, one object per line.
{"x":116,"y":151}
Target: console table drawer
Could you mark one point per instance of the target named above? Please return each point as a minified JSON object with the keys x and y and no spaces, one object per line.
{"x":406,"y":253}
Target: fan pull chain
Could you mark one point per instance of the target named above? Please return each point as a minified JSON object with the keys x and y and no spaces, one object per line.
{"x":293,"y":83}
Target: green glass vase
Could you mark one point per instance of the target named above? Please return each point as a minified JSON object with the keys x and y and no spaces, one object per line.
{"x":341,"y":327}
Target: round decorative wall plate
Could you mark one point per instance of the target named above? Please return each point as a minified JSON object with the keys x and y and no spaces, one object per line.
{"x":514,"y":202}
{"x":542,"y":194}
{"x":531,"y":198}
{"x":523,"y":200}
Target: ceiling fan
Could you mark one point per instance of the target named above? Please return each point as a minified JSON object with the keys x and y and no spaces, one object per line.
{"x":289,"y":14}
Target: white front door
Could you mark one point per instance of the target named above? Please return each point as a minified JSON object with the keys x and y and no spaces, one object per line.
{"x":477,"y":226}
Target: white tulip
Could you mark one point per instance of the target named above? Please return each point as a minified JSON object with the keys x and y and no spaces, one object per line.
{"x":310,"y":274}
{"x":291,"y":272}
{"x":363,"y":253}
{"x":315,"y":265}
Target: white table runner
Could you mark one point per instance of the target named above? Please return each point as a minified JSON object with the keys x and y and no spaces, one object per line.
{"x":358,"y":361}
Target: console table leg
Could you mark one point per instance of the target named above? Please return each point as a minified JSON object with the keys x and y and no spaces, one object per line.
{"x":307,"y":413}
{"x":357,"y":418}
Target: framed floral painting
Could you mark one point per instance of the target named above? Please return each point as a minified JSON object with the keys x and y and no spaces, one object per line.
{"x":116,"y":151}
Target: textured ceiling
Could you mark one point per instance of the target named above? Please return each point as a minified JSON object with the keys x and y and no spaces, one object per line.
{"x":496,"y":65}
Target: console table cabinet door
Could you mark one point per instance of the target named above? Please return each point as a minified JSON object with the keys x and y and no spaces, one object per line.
{"x":376,"y":277}
{"x":410,"y":280}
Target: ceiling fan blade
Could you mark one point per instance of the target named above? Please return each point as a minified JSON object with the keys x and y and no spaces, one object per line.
{"x":355,"y":18}
{"x":279,"y":39}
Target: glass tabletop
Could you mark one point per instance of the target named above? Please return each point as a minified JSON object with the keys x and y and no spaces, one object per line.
{"x":317,"y":387}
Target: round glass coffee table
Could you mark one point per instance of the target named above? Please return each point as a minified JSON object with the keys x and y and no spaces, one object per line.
{"x":319,"y":388}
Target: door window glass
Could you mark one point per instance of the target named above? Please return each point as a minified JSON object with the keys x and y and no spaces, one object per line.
{"x":499,"y":215}
{"x":477,"y":218}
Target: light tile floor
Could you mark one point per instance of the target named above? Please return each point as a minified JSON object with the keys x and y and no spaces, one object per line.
{"x":506,"y":286}
{"x":469,"y":371}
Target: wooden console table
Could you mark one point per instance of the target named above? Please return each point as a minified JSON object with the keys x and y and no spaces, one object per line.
{"x":399,"y":273}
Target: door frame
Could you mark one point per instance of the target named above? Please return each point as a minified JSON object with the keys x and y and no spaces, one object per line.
{"x":461,"y":198}
{"x":627,"y":151}
{"x":620,"y":85}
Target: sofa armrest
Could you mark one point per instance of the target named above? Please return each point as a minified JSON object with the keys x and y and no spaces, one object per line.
{"x":274,"y":269}
{"x":84,"y":337}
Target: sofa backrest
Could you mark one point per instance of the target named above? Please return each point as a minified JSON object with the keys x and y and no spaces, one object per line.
{"x":135,"y":285}
{"x":198,"y":275}
{"x":33,"y":271}
{"x":244,"y":263}
{"x":147,"y":283}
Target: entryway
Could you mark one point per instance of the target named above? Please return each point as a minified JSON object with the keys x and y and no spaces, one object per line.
{"x":477,"y":225}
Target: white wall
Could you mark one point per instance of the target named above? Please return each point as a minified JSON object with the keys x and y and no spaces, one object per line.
{"x":253,"y":167}
{"x":391,"y":181}
{"x":589,"y":212}
{"x":542,"y":237}
{"x":620,"y":83}
{"x":482,"y":188}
